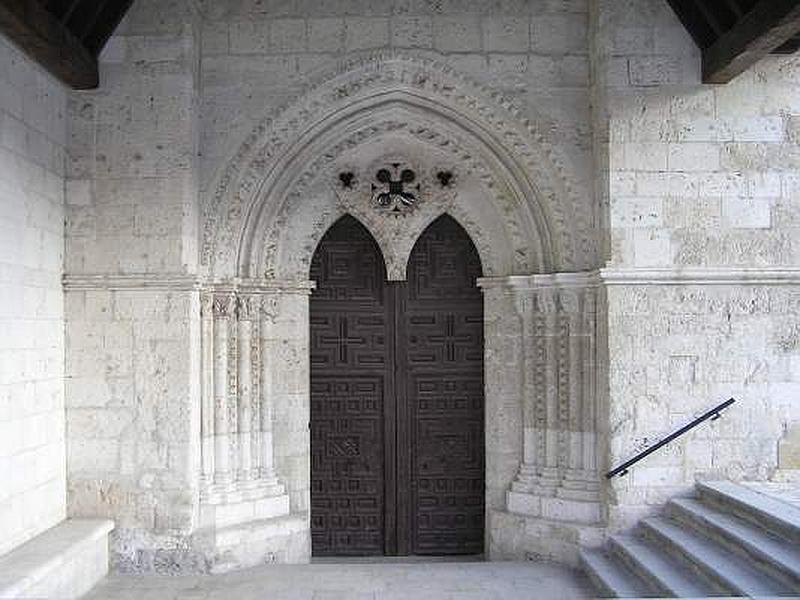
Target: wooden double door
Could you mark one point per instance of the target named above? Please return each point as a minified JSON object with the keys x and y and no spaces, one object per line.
{"x":397,"y":401}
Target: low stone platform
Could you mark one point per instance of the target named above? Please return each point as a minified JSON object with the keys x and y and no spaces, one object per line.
{"x":351,"y":581}
{"x":64,"y":562}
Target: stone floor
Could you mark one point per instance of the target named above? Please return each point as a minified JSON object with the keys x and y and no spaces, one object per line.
{"x":349,"y":581}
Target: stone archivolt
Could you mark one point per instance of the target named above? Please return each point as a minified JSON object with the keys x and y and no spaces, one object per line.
{"x":527,"y":181}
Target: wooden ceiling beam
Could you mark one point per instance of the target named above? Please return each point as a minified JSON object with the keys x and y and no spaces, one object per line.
{"x":115,"y":12}
{"x":735,"y":8}
{"x":769,"y":25}
{"x":37,"y":32}
{"x":68,"y":13}
{"x":710,"y":17}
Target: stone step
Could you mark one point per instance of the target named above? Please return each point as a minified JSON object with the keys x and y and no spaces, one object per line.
{"x":729,"y":570}
{"x":778,"y":517}
{"x":612,"y":578}
{"x":775,"y":556}
{"x":667,"y":575}
{"x":64,"y":562}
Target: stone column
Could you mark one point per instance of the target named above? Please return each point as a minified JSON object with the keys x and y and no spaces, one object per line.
{"x":248,"y":311}
{"x":224,"y":313}
{"x":267,"y":315}
{"x":579,"y":478}
{"x":245,"y":487}
{"x":207,"y":387}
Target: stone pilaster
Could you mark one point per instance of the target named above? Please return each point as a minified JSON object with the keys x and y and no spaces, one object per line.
{"x":238,"y":473}
{"x":558,"y":477}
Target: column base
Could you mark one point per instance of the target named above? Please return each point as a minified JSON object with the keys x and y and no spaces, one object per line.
{"x":572,"y":496}
{"x":521,"y":537}
{"x":242,"y":501}
{"x":241,"y":491}
{"x":554,"y":508}
{"x":284,"y":539}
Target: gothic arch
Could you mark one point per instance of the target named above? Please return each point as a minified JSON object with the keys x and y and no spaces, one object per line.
{"x":259,"y":222}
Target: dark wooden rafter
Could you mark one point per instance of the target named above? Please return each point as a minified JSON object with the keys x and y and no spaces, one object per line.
{"x":768,"y":26}
{"x":734,"y":34}
{"x":69,"y":10}
{"x":112,"y":14}
{"x":38,"y":33}
{"x":64,"y":36}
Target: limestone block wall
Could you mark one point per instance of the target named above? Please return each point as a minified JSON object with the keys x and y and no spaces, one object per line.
{"x":132,"y":145}
{"x":132,"y":305}
{"x":132,"y":419}
{"x":702,"y":232}
{"x":32,"y":138}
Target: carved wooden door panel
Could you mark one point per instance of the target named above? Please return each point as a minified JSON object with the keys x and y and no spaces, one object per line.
{"x":351,"y":387}
{"x":397,"y":448}
{"x":441,"y":337}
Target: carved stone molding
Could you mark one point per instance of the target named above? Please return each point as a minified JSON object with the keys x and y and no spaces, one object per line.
{"x":139,"y":281}
{"x":521,"y":164}
{"x":701,"y":276}
{"x":317,"y":200}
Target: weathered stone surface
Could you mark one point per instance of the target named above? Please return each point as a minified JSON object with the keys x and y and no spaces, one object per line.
{"x":184,"y":198}
{"x":32,"y":139}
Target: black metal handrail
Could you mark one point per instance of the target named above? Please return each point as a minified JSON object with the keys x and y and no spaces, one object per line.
{"x":712,"y":414}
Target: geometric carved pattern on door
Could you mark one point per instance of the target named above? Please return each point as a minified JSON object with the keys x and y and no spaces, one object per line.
{"x":397,"y":430}
{"x":442,"y":316}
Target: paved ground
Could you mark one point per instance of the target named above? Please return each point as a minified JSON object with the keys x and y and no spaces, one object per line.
{"x":415,"y":581}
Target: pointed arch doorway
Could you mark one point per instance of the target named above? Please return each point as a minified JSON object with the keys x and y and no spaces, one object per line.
{"x":397,"y":396}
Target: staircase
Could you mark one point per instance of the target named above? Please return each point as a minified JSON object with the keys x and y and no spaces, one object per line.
{"x":727,"y":541}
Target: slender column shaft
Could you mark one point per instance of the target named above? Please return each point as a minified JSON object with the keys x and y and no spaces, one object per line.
{"x":232,"y":413}
{"x":207,"y":388}
{"x":589,"y":387}
{"x":268,"y":316}
{"x":529,"y":395}
{"x":223,"y":309}
{"x":245,"y":387}
{"x":551,"y":440}
{"x":256,"y":357}
{"x":574,"y":424}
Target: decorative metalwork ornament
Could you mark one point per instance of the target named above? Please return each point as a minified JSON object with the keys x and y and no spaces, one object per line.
{"x":445,"y":178}
{"x":347,"y":179}
{"x":396,"y":186}
{"x":397,"y":192}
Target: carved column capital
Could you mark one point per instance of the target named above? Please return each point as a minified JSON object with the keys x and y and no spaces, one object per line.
{"x":268,"y":307}
{"x":249,"y":307}
{"x":224,"y":305}
{"x":207,"y":304}
{"x":569,"y":300}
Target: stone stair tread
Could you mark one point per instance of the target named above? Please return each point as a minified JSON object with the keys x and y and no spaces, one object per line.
{"x":614,"y":575}
{"x":733,"y":571}
{"x":785,"y":516}
{"x":755,"y":540}
{"x":667,"y":573}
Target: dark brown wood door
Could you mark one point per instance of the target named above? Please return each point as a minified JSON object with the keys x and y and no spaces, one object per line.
{"x":351,"y":385}
{"x":397,"y":448}
{"x":441,"y":352}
